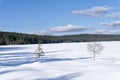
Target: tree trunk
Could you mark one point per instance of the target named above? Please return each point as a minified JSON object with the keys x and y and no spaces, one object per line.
{"x":93,"y":56}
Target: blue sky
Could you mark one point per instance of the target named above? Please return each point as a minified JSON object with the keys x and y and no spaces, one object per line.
{"x":60,"y":17}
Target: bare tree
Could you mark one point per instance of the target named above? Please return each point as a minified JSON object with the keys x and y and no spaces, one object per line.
{"x":95,"y":48}
{"x":39,"y":51}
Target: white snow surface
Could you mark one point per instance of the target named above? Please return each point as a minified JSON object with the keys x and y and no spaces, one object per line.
{"x":62,"y":61}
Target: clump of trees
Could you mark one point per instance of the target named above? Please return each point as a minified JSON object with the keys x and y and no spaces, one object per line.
{"x":7,"y":38}
{"x":95,"y":48}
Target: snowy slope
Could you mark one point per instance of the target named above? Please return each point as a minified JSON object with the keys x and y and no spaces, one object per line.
{"x":64,"y":61}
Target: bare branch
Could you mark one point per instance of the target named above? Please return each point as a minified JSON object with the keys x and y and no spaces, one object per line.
{"x":95,"y":48}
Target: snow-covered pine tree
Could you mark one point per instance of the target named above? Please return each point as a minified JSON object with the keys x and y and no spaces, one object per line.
{"x":39,"y":51}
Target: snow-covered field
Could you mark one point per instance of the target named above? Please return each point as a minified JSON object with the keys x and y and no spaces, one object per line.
{"x":63,"y":61}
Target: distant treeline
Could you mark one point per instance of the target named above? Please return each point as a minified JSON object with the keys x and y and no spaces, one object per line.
{"x":7,"y":38}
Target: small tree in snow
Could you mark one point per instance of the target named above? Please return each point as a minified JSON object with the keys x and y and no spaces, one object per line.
{"x":39,"y":51}
{"x":95,"y":48}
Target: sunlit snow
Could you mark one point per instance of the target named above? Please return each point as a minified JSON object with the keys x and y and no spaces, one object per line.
{"x":63,"y":61}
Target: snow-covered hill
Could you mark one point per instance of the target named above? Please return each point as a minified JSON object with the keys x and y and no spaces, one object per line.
{"x":63,"y":61}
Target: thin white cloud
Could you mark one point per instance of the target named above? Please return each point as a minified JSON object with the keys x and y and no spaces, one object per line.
{"x":102,"y":31}
{"x":98,"y":11}
{"x":111,"y":24}
{"x":68,"y":28}
{"x":44,"y":33}
{"x":114,"y":15}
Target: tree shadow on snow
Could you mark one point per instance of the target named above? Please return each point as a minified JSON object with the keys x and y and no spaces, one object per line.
{"x":64,"y":77}
{"x":45,"y":60}
{"x":14,"y":59}
{"x":57,"y":51}
{"x":11,"y":48}
{"x":17,"y":70}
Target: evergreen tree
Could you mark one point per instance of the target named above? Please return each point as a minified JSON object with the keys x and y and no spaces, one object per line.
{"x":39,"y":51}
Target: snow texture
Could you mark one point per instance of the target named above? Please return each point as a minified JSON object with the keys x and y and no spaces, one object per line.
{"x":63,"y":61}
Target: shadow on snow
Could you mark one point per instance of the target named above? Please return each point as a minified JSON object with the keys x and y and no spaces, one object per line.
{"x":19,"y":58}
{"x":44,"y":60}
{"x":14,"y":59}
{"x":57,"y":51}
{"x":17,"y":70}
{"x":11,"y":48}
{"x":64,"y":77}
